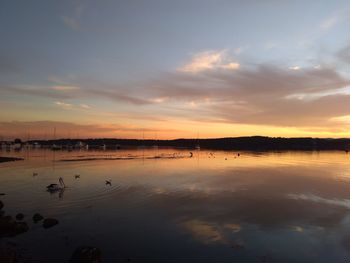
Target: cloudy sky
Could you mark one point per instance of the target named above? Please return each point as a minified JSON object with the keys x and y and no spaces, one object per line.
{"x":172,"y":69}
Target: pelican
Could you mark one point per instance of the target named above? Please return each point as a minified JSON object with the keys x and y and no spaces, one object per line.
{"x":56,"y":187}
{"x":109,"y":182}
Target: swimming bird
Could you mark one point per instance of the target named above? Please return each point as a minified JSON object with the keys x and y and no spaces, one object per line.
{"x":191,"y":154}
{"x":109,"y":182}
{"x":35,"y":174}
{"x":56,"y":187}
{"x":77,"y":176}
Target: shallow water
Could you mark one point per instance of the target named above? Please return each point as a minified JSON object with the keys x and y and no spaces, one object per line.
{"x":258,"y":207}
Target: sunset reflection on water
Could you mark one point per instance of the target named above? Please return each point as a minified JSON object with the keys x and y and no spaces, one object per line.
{"x":214,"y":207}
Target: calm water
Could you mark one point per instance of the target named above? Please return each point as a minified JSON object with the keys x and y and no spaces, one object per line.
{"x":259,"y":207}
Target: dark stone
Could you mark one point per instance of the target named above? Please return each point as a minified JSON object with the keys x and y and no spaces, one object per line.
{"x":9,"y":227}
{"x":8,"y":256}
{"x":37,"y":217}
{"x":86,"y":255}
{"x":19,"y":216}
{"x":1,"y":204}
{"x":49,"y":222}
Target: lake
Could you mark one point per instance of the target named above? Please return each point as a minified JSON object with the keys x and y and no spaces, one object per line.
{"x":165,"y":206}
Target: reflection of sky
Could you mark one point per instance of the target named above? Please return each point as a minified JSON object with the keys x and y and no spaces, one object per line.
{"x":190,"y":209}
{"x":122,"y":67}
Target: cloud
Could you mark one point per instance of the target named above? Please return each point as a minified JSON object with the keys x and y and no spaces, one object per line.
{"x":208,"y":60}
{"x":63,"y":105}
{"x":329,"y":23}
{"x":85,"y":106}
{"x":308,"y":98}
{"x":88,"y":89}
{"x":344,"y":54}
{"x":263,"y":95}
{"x":240,"y":50}
{"x":69,"y":106}
{"x":39,"y":128}
{"x":73,"y":21}
{"x":44,"y":129}
{"x":65,"y":88}
{"x":36,"y":91}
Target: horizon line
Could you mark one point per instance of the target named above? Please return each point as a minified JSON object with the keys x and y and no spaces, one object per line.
{"x":214,"y":138}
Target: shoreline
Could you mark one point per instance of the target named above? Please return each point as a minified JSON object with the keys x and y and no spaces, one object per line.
{"x":10,"y":159}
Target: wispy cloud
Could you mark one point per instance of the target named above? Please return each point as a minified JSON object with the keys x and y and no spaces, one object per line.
{"x":329,"y":23}
{"x":294,"y":67}
{"x":65,"y":88}
{"x":208,"y":60}
{"x":263,"y":95}
{"x":344,"y":54}
{"x":85,"y":106}
{"x":210,"y":85}
{"x":73,"y":21}
{"x":44,"y":129}
{"x":69,"y":106}
{"x":64,"y":105}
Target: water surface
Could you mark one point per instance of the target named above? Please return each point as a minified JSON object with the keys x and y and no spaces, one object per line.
{"x":213,"y":207}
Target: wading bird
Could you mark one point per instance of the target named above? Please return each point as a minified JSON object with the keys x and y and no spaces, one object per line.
{"x":56,"y":187}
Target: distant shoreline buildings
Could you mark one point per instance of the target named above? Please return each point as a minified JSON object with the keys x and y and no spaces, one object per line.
{"x":254,"y":143}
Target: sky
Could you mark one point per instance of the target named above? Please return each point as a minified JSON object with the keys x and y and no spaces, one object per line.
{"x":162,"y":69}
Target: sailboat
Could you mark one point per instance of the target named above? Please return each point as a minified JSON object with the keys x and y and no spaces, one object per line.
{"x":197,"y":147}
{"x":143,"y":141}
{"x":155,"y":146}
{"x":54,"y":146}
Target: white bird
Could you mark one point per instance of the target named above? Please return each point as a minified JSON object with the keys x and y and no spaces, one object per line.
{"x":56,"y":187}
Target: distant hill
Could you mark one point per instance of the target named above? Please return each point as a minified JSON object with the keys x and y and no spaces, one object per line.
{"x":256,"y":143}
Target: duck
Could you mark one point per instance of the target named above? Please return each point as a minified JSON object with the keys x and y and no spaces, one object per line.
{"x":109,"y":182}
{"x":56,"y":187}
{"x":77,"y":176}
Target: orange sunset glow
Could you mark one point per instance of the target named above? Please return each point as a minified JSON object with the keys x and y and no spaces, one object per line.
{"x":117,"y":82}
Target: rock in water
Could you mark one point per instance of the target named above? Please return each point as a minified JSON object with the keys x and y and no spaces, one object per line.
{"x":19,"y":216}
{"x":49,"y":222}
{"x":9,"y":227}
{"x":37,"y":217}
{"x":86,"y":255}
{"x":7,"y":256}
